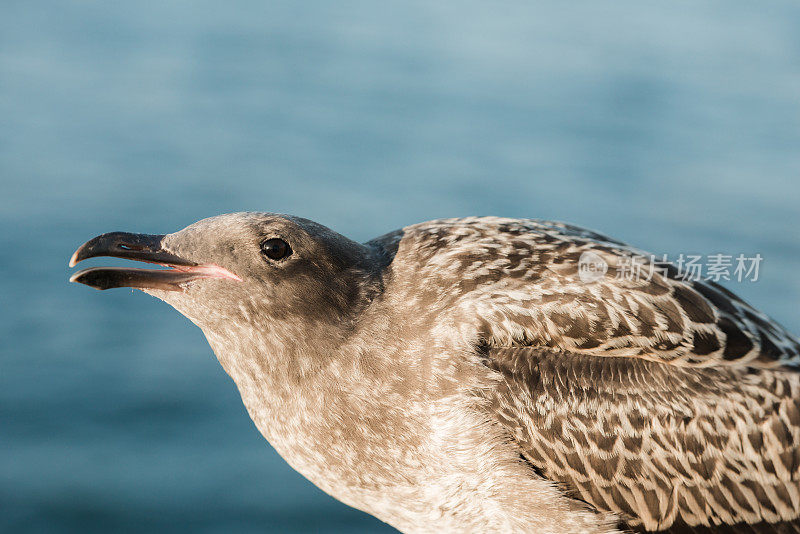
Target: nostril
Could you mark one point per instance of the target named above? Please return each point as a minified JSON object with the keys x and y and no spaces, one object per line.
{"x":128,"y":246}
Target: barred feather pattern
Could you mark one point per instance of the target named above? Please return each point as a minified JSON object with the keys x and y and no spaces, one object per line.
{"x":519,"y":277}
{"x":670,"y":402}
{"x":655,"y":443}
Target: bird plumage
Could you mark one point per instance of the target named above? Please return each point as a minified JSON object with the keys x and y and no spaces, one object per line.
{"x":667,"y":401}
{"x":459,"y":375}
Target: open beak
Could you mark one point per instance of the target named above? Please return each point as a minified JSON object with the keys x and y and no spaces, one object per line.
{"x":140,"y":247}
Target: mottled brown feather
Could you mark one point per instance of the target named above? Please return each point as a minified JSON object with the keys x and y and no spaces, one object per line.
{"x":669,"y":401}
{"x":675,"y":433}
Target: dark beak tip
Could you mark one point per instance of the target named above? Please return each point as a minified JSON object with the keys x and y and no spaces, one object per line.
{"x":84,"y":277}
{"x":73,"y":260}
{"x":138,"y":247}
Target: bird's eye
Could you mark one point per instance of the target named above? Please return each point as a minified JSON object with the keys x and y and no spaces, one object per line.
{"x":276,"y":249}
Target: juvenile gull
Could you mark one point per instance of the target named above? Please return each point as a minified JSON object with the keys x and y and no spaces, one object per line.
{"x":458,"y":376}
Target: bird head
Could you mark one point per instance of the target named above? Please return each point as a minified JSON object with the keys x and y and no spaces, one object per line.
{"x":242,"y":270}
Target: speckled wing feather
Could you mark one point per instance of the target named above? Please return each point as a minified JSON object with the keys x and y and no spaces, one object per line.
{"x":670,"y":402}
{"x":660,"y":445}
{"x":519,"y":279}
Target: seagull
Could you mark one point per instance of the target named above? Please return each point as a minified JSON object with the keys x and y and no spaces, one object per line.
{"x":461,"y":375}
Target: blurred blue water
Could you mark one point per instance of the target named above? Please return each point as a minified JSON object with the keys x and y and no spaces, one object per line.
{"x":674,"y":126}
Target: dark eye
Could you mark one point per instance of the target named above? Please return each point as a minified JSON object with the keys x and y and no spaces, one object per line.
{"x":276,"y":249}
